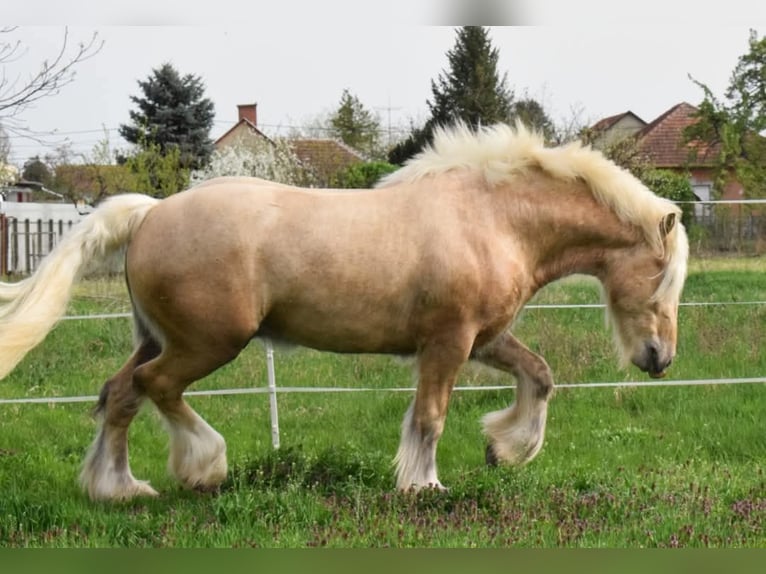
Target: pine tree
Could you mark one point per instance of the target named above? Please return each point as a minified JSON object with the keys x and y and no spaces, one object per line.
{"x":471,"y":90}
{"x":355,"y":125}
{"x":172,"y":113}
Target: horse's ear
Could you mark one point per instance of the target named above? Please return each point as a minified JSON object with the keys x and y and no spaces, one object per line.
{"x":667,"y":223}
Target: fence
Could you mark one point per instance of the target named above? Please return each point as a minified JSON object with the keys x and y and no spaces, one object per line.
{"x":272,"y":390}
{"x":29,"y":231}
{"x":25,"y":243}
{"x":726,"y":226}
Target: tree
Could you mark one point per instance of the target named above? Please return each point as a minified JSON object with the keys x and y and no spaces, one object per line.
{"x":89,"y":178}
{"x":157,"y":172}
{"x":172,"y":114}
{"x":37,"y":170}
{"x":471,"y":90}
{"x":532,"y":114}
{"x":362,"y":175}
{"x":675,"y":187}
{"x":735,"y":128}
{"x":5,"y":146}
{"x":92,"y":177}
{"x":16,"y":95}
{"x":356,"y":126}
{"x":7,"y":171}
{"x":625,"y":152}
{"x":272,"y":160}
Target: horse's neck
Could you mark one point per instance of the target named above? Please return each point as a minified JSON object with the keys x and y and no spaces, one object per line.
{"x":570,"y":232}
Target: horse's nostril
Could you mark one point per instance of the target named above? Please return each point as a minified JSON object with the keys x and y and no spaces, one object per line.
{"x":654,"y":362}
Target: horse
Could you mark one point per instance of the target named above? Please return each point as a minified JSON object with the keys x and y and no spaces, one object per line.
{"x":434,"y":262}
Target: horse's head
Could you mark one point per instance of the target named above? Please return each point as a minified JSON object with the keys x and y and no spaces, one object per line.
{"x":642,"y":288}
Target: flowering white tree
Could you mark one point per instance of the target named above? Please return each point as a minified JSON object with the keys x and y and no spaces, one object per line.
{"x":6,"y":171}
{"x":275,"y":161}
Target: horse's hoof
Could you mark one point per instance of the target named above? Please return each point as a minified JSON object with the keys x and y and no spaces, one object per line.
{"x":490,"y":456}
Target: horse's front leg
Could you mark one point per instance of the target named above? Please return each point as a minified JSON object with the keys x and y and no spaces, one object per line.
{"x":516,"y":433}
{"x":438,"y":364}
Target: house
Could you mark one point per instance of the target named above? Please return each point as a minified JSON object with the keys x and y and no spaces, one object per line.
{"x":28,"y":191}
{"x":609,"y":131}
{"x":244,"y":130}
{"x":323,"y":157}
{"x":662,"y":142}
{"x":721,"y":226}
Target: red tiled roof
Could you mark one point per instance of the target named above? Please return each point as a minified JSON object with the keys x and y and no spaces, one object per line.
{"x":663,"y":142}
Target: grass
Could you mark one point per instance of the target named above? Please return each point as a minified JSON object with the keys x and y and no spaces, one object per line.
{"x":626,"y":467}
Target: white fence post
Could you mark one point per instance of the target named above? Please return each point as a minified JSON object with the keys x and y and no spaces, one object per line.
{"x":272,"y":394}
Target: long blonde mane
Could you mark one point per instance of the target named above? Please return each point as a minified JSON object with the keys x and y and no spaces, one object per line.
{"x":502,"y":152}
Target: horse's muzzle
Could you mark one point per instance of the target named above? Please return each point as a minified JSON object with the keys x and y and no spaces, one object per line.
{"x":653,"y":360}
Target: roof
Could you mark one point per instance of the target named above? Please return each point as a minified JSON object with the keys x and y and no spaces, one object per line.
{"x":325,"y":156}
{"x":241,"y":122}
{"x":322,"y":157}
{"x":606,"y":123}
{"x":663,"y":140}
{"x":31,"y":187}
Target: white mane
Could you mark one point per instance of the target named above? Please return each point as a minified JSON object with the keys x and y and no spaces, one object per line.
{"x":501,"y":152}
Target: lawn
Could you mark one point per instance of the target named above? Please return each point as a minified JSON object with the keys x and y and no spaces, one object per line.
{"x":621,"y":467}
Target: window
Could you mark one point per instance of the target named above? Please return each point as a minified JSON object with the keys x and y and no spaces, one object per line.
{"x":702,"y":191}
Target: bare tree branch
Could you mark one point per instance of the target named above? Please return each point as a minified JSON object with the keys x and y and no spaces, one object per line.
{"x":18,"y":93}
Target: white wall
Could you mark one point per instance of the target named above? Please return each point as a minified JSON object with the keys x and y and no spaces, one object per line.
{"x":25,"y":245}
{"x":45,"y":211}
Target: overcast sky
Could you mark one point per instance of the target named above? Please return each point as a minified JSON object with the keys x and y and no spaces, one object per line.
{"x":296,"y":71}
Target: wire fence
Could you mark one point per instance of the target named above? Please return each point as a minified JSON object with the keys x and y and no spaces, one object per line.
{"x":273,"y":390}
{"x":726,"y":226}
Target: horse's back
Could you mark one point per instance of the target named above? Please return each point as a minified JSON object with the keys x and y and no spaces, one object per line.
{"x":344,"y":271}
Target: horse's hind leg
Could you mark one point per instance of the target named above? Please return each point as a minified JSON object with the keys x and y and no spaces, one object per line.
{"x":438,"y":365}
{"x":106,"y":472}
{"x":197,"y":451}
{"x":516,"y":433}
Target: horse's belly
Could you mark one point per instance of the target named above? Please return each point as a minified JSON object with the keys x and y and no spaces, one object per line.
{"x":338,"y":331}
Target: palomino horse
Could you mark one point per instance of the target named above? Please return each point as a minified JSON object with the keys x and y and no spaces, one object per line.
{"x":435,"y":262}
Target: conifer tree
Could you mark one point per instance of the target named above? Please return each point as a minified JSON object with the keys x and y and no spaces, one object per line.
{"x":355,"y":125}
{"x":173,"y":113}
{"x":471,"y":90}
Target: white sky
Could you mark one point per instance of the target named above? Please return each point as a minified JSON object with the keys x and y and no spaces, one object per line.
{"x":296,"y":68}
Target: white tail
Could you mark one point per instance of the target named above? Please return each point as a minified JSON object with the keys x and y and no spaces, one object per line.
{"x":33,"y":306}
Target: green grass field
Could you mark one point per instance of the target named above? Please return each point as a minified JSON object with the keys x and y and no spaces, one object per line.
{"x":621,"y":467}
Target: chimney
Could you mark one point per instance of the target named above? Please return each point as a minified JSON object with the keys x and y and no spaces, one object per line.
{"x":248,"y":112}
